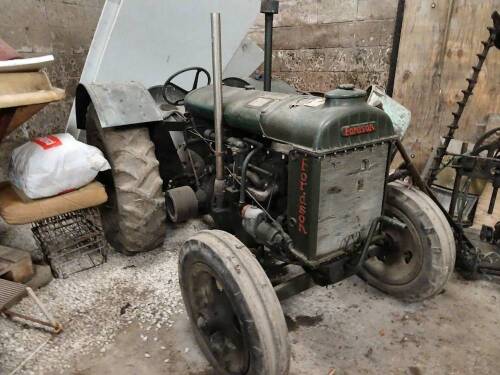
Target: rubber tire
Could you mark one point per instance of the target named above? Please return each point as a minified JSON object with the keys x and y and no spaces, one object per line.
{"x":437,"y":239}
{"x":134,"y":218}
{"x":182,"y":204}
{"x":250,"y":291}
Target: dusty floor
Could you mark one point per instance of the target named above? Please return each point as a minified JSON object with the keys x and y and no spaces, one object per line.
{"x":350,"y":328}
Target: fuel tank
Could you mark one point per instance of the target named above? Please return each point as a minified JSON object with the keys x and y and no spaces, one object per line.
{"x":342,"y":119}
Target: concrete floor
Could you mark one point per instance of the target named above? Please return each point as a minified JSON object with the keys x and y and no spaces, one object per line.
{"x":347,"y":329}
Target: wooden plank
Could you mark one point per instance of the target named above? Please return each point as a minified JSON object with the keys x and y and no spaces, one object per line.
{"x":342,"y":34}
{"x":467,"y":29}
{"x":330,"y":11}
{"x":437,"y":51}
{"x":379,"y":9}
{"x":291,"y":13}
{"x":417,"y":82}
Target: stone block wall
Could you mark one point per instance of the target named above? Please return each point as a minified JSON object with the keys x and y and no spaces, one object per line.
{"x":321,"y":43}
{"x":63,"y":28}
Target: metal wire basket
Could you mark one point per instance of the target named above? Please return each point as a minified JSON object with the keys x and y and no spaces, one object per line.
{"x":72,"y":242}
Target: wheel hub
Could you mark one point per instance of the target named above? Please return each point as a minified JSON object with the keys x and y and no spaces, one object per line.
{"x":400,"y":260}
{"x":217,"y":321}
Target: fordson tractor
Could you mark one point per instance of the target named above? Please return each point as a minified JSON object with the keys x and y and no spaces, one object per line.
{"x":296,"y":186}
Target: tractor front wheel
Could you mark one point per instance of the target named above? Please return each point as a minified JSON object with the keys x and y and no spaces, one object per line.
{"x":416,"y":262}
{"x":235,"y":313}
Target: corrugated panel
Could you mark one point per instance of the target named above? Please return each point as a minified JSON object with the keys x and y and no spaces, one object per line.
{"x":10,"y":292}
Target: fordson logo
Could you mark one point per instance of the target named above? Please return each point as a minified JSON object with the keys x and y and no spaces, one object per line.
{"x":302,"y":209}
{"x":349,"y":131}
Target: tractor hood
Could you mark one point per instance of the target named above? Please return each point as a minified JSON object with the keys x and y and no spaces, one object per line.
{"x":318,"y":125}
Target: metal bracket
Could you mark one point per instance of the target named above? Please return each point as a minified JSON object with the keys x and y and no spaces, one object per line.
{"x":468,"y":255}
{"x":353,"y":269}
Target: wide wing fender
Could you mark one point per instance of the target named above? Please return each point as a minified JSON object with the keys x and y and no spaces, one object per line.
{"x":116,"y":104}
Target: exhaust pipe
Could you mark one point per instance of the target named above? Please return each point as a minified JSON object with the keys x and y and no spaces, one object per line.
{"x":269,"y":8}
{"x":219,"y":184}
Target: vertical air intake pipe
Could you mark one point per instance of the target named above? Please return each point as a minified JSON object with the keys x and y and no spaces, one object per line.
{"x":269,"y":8}
{"x":219,"y":185}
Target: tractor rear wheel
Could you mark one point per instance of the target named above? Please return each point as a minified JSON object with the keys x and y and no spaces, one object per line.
{"x":235,"y":313}
{"x":134,"y":218}
{"x":416,"y":262}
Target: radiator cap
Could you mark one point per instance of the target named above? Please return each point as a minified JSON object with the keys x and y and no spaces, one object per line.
{"x":345,"y":91}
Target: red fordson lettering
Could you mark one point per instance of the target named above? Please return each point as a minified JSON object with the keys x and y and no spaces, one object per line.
{"x":349,"y":131}
{"x":303,"y":178}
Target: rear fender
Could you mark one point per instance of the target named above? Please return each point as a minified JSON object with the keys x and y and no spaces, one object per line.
{"x":116,"y":104}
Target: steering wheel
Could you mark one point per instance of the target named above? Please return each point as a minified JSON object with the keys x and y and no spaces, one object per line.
{"x":174,"y":94}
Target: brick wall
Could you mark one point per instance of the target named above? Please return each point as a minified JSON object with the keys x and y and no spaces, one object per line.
{"x":321,"y":43}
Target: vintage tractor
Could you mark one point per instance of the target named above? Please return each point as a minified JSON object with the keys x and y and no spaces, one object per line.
{"x":296,"y":187}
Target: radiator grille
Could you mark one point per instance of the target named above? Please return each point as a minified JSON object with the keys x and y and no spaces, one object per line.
{"x":351,"y":194}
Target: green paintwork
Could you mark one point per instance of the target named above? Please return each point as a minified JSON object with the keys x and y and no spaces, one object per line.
{"x":307,"y":122}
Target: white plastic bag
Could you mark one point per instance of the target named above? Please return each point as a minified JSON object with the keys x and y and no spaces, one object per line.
{"x":53,"y":165}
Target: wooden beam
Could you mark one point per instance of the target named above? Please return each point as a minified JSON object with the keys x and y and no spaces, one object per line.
{"x":419,"y":70}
